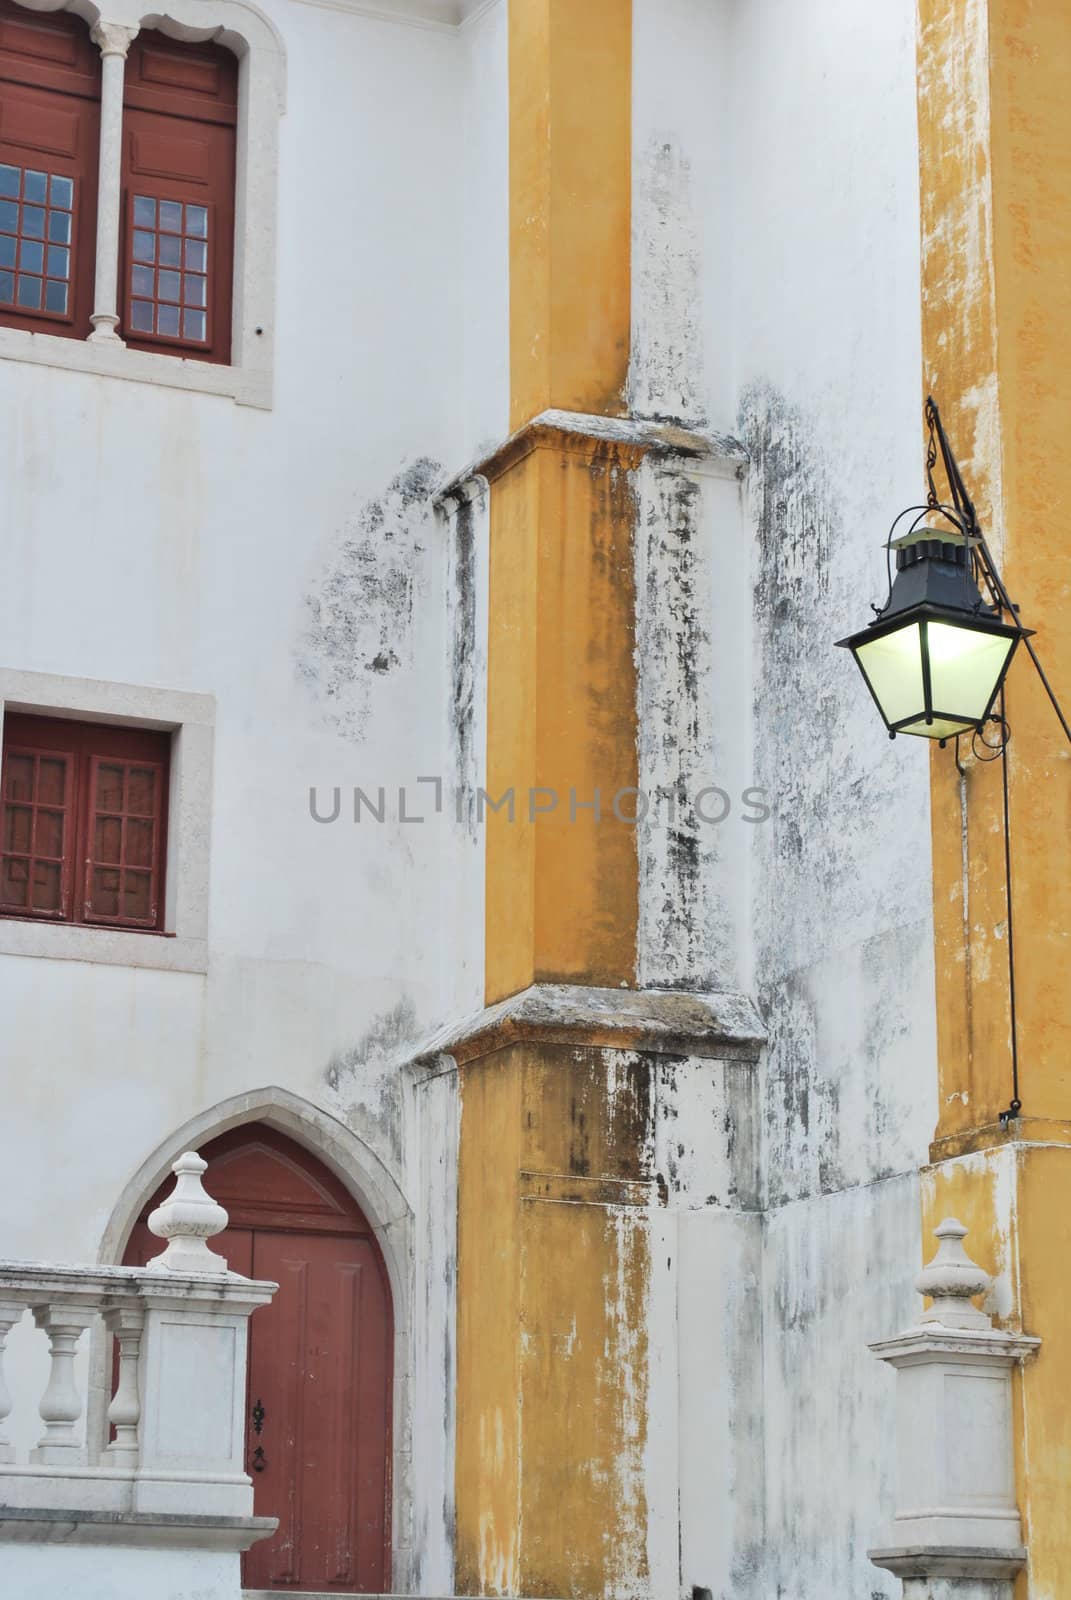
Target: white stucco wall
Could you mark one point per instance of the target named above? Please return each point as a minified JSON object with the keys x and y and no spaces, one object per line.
{"x":288,"y":563}
{"x":776,"y":297}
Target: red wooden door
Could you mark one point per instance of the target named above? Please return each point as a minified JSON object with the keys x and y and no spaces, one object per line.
{"x":320,"y":1362}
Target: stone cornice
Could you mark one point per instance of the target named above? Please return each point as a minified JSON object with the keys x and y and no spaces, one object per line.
{"x":623,"y":440}
{"x":967,"y":1344}
{"x":723,"y":1026}
{"x":952,"y":1561}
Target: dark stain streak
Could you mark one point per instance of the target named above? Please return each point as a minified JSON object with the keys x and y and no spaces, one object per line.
{"x":359,"y":616}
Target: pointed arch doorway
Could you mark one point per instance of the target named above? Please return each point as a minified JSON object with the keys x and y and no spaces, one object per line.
{"x":318,"y":1429}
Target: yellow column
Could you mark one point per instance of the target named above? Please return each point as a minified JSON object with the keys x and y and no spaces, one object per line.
{"x":553,"y":1258}
{"x":995,"y":153}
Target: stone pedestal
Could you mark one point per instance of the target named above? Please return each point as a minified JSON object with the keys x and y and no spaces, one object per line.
{"x":956,"y":1534}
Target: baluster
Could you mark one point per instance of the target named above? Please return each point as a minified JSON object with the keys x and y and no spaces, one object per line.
{"x":61,"y":1404}
{"x":127,"y":1324}
{"x":10,"y":1314}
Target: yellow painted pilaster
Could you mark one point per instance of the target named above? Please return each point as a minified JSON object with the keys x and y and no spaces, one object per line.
{"x":570,"y":126}
{"x":995,"y":153}
{"x":554,"y":1204}
{"x":561,"y":864}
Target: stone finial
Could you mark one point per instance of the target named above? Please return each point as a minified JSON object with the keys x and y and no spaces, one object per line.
{"x":952,"y":1279}
{"x":187,"y":1219}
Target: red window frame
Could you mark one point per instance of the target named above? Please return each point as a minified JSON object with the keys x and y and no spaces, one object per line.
{"x":180,"y":119}
{"x":131,"y":846}
{"x":50,"y":123}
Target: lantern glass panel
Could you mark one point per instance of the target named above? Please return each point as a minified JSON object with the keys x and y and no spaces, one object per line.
{"x":892,"y":665}
{"x":965,"y":667}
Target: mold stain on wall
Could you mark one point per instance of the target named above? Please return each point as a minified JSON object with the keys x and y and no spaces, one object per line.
{"x":826,"y":916}
{"x":360,"y":613}
{"x":364,"y":1083}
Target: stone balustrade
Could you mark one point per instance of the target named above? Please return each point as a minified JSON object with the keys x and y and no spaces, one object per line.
{"x":163,"y":1466}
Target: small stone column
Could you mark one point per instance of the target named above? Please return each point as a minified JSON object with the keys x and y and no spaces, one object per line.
{"x":956,"y":1534}
{"x":10,"y":1313}
{"x":113,"y":40}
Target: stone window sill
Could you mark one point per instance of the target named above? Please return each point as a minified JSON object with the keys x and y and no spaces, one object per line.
{"x":109,"y":947}
{"x":248,"y":388}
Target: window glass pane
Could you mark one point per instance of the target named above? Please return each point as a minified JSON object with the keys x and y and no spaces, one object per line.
{"x":33,"y":222}
{"x":62,"y":192}
{"x":59,"y":227}
{"x":109,"y":787}
{"x":7,"y":250}
{"x":144,"y":246}
{"x":51,"y":781}
{"x":197,"y":221}
{"x":168,"y":285}
{"x":137,"y":895}
{"x":35,"y":187}
{"x":170,"y":251}
{"x":31,"y":256}
{"x":193,"y":290}
{"x":9,"y":216}
{"x":56,"y":297}
{"x":9,"y":181}
{"x":104,"y":891}
{"x":46,"y":886}
{"x":141,"y":793}
{"x":48,"y":839}
{"x":108,"y":839}
{"x":142,"y":280}
{"x":59,"y":261}
{"x":167,"y":320}
{"x":15,"y":884}
{"x":7,"y":288}
{"x":144,"y":211}
{"x":139,"y":832}
{"x":18,"y":828}
{"x":196,"y":255}
{"x":30,"y":293}
{"x":141,"y":316}
{"x":18,"y":778}
{"x":171,"y":216}
{"x":193,"y":325}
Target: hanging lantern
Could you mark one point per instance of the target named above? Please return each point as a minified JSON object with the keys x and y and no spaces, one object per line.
{"x":935,"y":656}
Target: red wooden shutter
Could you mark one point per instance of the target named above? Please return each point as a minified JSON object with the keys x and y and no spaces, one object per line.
{"x":36,"y":832}
{"x":122,"y":870}
{"x":49,"y":135}
{"x":179,"y":128}
{"x":83,"y":822}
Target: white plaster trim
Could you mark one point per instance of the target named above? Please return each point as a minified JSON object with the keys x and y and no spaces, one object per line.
{"x":256,"y":42}
{"x":379,"y":1196}
{"x":191,"y":718}
{"x":114,"y":360}
{"x":432,"y":15}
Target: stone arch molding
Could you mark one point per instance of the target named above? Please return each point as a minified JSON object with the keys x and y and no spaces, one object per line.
{"x":381,"y":1199}
{"x":351,"y":1160}
{"x":257,"y":43}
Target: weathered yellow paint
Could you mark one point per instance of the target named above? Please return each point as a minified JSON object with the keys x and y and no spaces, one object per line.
{"x":553,"y":1270}
{"x":487,"y":1461}
{"x":995,"y":136}
{"x":562,"y":890}
{"x":570,"y":131}
{"x":554,"y":1196}
{"x":995,"y":154}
